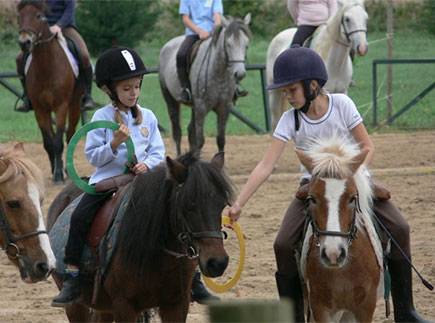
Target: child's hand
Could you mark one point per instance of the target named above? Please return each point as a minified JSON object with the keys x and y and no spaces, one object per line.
{"x":234,"y":212}
{"x":119,"y":136}
{"x":139,"y":168}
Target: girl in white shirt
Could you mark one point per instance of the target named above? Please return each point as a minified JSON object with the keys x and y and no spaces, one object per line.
{"x":301,"y":73}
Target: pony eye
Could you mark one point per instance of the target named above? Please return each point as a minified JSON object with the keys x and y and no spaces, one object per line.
{"x":346,"y":19}
{"x":352,"y":199}
{"x":312,"y":199}
{"x":13,"y":205}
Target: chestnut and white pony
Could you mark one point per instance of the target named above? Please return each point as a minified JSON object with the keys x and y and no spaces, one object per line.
{"x":23,"y":236}
{"x":341,"y":259}
{"x":333,"y":41}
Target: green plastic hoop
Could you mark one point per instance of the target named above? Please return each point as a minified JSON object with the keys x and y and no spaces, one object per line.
{"x":75,"y":178}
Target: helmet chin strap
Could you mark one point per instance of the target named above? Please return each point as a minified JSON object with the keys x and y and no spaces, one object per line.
{"x":309,"y":96}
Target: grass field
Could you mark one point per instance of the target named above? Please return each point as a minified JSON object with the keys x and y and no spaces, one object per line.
{"x":408,"y":82}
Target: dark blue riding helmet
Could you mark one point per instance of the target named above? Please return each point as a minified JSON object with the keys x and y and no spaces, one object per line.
{"x":117,"y":64}
{"x":298,"y":64}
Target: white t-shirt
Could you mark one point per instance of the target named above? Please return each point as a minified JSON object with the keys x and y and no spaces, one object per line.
{"x":342,"y":116}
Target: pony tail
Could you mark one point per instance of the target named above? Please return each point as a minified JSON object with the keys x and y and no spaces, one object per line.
{"x":118,"y":117}
{"x":137,"y":114}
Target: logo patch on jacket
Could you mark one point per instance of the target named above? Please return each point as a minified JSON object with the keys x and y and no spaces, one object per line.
{"x":144,"y":131}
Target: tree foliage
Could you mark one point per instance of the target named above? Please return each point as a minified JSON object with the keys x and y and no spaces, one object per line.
{"x":106,"y":23}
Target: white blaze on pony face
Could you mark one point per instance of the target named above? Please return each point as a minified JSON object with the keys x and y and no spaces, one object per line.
{"x":333,"y":246}
{"x":43,"y":238}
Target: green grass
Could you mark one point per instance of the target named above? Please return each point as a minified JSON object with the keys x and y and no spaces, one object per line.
{"x":408,"y":81}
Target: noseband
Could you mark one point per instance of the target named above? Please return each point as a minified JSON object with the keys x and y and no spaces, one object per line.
{"x":350,"y":235}
{"x":38,"y":40}
{"x":10,"y":238}
{"x":187,"y":236}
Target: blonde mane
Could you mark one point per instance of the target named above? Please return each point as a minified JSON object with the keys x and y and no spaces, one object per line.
{"x":329,"y":33}
{"x":17,"y":162}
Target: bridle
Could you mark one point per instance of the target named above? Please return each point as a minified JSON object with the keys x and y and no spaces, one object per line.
{"x":38,"y":40}
{"x":186,"y":236}
{"x":350,"y":234}
{"x":348,"y":33}
{"x":10,"y":238}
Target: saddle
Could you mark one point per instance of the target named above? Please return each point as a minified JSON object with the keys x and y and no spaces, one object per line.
{"x":193,"y":52}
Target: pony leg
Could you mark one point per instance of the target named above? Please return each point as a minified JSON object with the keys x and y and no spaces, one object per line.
{"x":174,"y":115}
{"x":58,"y":177}
{"x":222,"y":118}
{"x":174,"y":312}
{"x":78,"y":313}
{"x":196,"y":127}
{"x":49,"y":147}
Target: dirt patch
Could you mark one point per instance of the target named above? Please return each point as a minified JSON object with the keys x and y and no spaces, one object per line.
{"x":404,"y":163}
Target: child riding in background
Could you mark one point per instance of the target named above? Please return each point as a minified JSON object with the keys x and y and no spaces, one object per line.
{"x":301,"y":73}
{"x":119,"y":72}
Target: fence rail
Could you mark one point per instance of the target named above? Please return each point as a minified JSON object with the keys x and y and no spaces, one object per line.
{"x":154,"y":69}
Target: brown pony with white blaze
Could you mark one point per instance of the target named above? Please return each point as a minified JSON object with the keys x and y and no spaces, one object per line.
{"x":50,"y":83}
{"x":23,"y":236}
{"x":341,"y":261}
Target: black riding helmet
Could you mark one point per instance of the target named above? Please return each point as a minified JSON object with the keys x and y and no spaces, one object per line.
{"x":299,"y":64}
{"x":117,"y":64}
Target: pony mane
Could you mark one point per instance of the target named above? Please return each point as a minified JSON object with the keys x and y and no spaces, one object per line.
{"x":150,"y":214}
{"x":17,"y":162}
{"x":330,"y":31}
{"x":332,"y":158}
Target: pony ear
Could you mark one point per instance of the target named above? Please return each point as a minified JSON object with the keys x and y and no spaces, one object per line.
{"x":19,"y":146}
{"x":176,"y":170}
{"x":306,"y":160}
{"x":357,"y":161}
{"x":218,"y":160}
{"x":247,"y":19}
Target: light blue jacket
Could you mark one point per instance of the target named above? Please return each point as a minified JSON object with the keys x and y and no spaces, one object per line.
{"x":148,"y":144}
{"x":201,"y":12}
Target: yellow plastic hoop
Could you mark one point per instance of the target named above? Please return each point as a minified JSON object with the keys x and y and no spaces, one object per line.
{"x":220,"y":288}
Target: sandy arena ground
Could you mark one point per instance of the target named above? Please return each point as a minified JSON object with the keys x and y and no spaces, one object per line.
{"x":405,"y":163}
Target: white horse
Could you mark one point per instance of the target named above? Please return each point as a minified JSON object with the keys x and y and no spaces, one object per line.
{"x":344,"y":31}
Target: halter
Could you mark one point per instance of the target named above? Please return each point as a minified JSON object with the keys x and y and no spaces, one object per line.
{"x":351,"y":234}
{"x":10,"y":238}
{"x":347,"y":34}
{"x":186,"y":236}
{"x":39,"y":40}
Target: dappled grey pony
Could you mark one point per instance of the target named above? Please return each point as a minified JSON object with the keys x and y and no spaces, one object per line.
{"x":219,"y":64}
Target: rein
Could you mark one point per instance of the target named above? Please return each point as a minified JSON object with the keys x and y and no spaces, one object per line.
{"x":10,"y":238}
{"x":351,"y":234}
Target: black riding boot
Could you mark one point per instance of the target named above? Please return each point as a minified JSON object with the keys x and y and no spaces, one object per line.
{"x":401,"y":290}
{"x":186,"y":96}
{"x":199,"y":293}
{"x":291,"y":287}
{"x":27,"y":105}
{"x":70,"y":292}
{"x":86,"y":76}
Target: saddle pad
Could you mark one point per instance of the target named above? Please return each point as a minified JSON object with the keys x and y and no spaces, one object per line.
{"x":71,"y":59}
{"x":59,"y":236}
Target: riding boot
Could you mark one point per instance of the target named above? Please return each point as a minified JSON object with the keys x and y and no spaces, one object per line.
{"x":185,"y":96}
{"x":69,"y":293}
{"x":27,"y":105}
{"x":291,"y":287}
{"x":401,"y":290}
{"x":86,"y":77}
{"x":199,"y":293}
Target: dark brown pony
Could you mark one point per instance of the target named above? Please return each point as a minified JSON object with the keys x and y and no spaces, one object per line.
{"x":172,"y":223}
{"x":342,"y":257}
{"x":50,"y":83}
{"x":22,"y":230}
